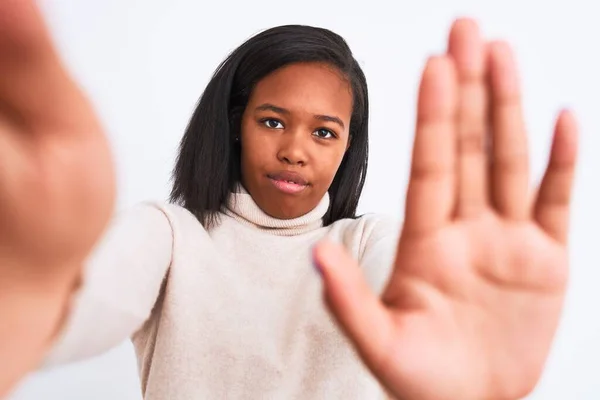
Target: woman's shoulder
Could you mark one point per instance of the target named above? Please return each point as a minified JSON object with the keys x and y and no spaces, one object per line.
{"x":366,"y":232}
{"x":372,"y":240}
{"x":170,"y":210}
{"x":150,"y":214}
{"x":371,"y":225}
{"x":380,"y":225}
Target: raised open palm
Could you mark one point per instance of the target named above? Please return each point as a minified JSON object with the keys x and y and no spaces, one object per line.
{"x":474,"y":301}
{"x":56,"y":186}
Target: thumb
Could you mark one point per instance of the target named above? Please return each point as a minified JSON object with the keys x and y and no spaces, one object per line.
{"x":360,"y":314}
{"x":35,"y":87}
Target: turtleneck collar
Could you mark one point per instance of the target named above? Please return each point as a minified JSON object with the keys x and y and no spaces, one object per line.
{"x":242,"y":208}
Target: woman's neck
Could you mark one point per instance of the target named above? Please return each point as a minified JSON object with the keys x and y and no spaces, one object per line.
{"x":242,"y":207}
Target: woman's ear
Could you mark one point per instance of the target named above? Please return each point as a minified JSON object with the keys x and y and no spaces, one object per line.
{"x":349,"y":141}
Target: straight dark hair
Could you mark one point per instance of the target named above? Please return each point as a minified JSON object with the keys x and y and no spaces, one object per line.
{"x":208,"y":165}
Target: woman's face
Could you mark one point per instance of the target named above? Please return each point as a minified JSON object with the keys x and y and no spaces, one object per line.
{"x":294,"y":133}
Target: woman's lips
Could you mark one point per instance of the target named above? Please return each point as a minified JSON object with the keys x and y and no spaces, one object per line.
{"x":288,"y":182}
{"x":288,"y":187}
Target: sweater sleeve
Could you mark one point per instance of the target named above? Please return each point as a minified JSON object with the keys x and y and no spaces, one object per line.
{"x":379,"y":252}
{"x":122,"y":280}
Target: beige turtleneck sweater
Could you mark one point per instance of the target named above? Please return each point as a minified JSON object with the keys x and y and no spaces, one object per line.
{"x":235,"y":312}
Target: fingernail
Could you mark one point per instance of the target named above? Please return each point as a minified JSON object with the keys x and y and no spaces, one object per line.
{"x":316,"y":264}
{"x":317,"y":267}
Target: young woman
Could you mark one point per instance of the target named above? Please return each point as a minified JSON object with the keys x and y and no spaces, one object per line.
{"x":218,"y":290}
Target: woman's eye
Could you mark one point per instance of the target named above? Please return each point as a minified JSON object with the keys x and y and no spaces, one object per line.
{"x":324,"y":133}
{"x":272,"y":123}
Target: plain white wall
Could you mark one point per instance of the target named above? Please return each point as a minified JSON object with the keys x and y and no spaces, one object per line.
{"x":145,"y":62}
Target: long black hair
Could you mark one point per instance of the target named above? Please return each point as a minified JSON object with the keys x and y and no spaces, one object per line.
{"x":208,"y":165}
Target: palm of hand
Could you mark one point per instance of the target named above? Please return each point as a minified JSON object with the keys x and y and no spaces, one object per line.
{"x":56,"y":188}
{"x":56,"y":172}
{"x":475,"y":304}
{"x":471,"y":308}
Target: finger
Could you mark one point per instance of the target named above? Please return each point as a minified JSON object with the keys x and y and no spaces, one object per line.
{"x":467,"y":48}
{"x":510,"y":160}
{"x":358,"y":311}
{"x":552,"y":205}
{"x":430,"y":195}
{"x":34,"y":86}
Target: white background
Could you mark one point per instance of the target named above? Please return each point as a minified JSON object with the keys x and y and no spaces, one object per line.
{"x":144,"y":63}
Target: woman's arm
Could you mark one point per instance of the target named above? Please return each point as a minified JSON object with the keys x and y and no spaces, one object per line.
{"x":121,"y":282}
{"x":79,"y":316}
{"x":481,"y":267}
{"x":57,"y":192}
